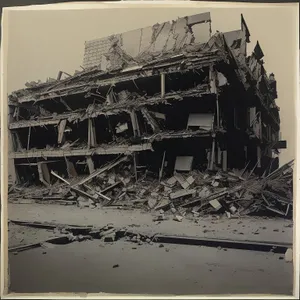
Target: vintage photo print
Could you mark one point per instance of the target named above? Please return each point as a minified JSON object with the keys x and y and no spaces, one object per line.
{"x":150,"y":149}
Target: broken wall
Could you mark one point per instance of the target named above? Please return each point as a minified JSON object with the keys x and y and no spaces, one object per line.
{"x":132,"y":46}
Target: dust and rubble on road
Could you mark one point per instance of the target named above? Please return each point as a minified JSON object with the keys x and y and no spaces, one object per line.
{"x":234,"y":193}
{"x":62,"y":234}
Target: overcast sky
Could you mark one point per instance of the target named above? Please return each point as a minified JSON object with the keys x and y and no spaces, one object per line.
{"x":41,"y":43}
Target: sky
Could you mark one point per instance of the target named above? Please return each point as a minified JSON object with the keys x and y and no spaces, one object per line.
{"x":41,"y":43}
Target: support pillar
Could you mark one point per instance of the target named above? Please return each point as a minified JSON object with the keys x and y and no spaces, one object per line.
{"x":29,"y":136}
{"x":135,"y":125}
{"x":135,"y":166}
{"x":90,"y":164}
{"x":91,"y":134}
{"x":258,"y":149}
{"x":224,"y":161}
{"x":71,"y":169}
{"x":212,"y":157}
{"x":219,"y":156}
{"x":163,"y":84}
{"x":61,"y":131}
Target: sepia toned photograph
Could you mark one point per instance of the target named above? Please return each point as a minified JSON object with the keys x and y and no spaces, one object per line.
{"x":150,"y":149}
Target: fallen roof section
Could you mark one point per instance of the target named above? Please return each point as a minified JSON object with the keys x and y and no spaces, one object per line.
{"x":118,"y":50}
{"x":196,"y":56}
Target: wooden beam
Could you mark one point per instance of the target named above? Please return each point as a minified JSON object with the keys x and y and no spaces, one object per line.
{"x":258,"y":149}
{"x":96,"y":192}
{"x":16,"y":139}
{"x":253,"y":169}
{"x":111,"y":187}
{"x":46,"y":173}
{"x":212,"y":80}
{"x":89,"y":133}
{"x":41,"y":175}
{"x":219,"y":156}
{"x":60,"y":178}
{"x":90,"y":164}
{"x":218,"y":111}
{"x":212,"y":158}
{"x":61,"y":131}
{"x":224,"y":161}
{"x":135,"y":125}
{"x":71,"y":169}
{"x":135,"y":167}
{"x":28,"y":139}
{"x":150,"y":120}
{"x":65,"y":104}
{"x":32,"y":123}
{"x":100,"y":171}
{"x":162,"y":166}
{"x":93,"y":133}
{"x":163,"y":84}
{"x":77,"y":190}
{"x":16,"y":113}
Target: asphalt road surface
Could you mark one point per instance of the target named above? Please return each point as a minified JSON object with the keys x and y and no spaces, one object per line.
{"x":128,"y":268}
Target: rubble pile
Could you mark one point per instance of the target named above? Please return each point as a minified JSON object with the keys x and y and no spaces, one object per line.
{"x":234,"y":193}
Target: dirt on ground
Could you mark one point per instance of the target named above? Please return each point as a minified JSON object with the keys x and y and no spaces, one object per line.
{"x":24,"y":235}
{"x":246,"y":228}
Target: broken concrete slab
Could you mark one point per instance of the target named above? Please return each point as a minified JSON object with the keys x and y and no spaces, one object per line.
{"x":183,"y":163}
{"x":182,"y":193}
{"x":215,"y":204}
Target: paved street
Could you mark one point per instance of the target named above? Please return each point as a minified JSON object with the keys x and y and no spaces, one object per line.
{"x":173,"y":269}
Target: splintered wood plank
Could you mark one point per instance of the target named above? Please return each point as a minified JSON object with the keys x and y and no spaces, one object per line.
{"x":28,"y":139}
{"x":61,"y":130}
{"x":46,"y":173}
{"x":93,"y":134}
{"x":135,"y":125}
{"x":41,"y":175}
{"x":90,"y":164}
{"x":71,"y":168}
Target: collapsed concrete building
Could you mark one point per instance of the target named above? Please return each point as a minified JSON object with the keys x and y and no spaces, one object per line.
{"x":166,"y":99}
{"x":173,"y":95}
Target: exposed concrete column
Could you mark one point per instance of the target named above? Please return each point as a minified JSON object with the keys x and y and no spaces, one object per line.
{"x":135,"y":166}
{"x":224,"y":160}
{"x":135,"y":125}
{"x":163,"y":84}
{"x":212,"y":156}
{"x":219,"y":155}
{"x":214,"y":90}
{"x":218,"y":111}
{"x":28,"y":139}
{"x":258,"y":149}
{"x":90,"y":164}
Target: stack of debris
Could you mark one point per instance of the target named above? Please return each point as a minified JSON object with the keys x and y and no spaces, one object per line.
{"x":235,"y":192}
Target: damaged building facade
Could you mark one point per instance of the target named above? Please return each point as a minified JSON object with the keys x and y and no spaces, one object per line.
{"x":168,"y":98}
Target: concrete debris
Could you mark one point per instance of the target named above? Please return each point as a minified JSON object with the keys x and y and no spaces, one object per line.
{"x":233,"y":196}
{"x":181,"y":193}
{"x":289,"y":255}
{"x":110,"y":238}
{"x":215,"y":204}
{"x":121,"y":127}
{"x":178,"y":218}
